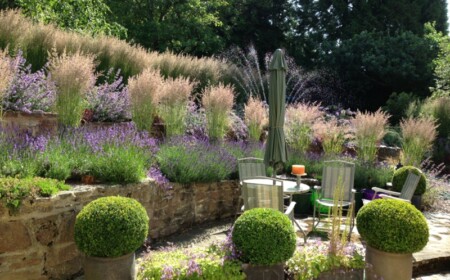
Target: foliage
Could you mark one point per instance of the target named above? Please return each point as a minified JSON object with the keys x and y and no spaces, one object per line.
{"x":110,"y":101}
{"x":369,"y":130}
{"x":237,"y":130}
{"x":418,"y":137}
{"x":14,"y":190}
{"x":264,"y":236}
{"x":190,"y":263}
{"x":313,"y":162}
{"x":300,"y":119}
{"x":173,"y":101}
{"x":369,"y":175}
{"x":400,"y":175}
{"x":7,"y":74}
{"x":143,"y":90}
{"x":441,"y":61}
{"x":218,"y":102}
{"x":392,"y":138}
{"x":111,"y":227}
{"x":90,"y":16}
{"x":256,"y":117}
{"x":74,"y":77}
{"x":332,"y":134}
{"x":187,"y":159}
{"x":392,"y":226}
{"x":439,"y":109}
{"x":312,"y":259}
{"x":397,"y":105}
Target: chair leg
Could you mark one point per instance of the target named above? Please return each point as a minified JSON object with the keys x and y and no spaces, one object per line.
{"x":313,"y":227}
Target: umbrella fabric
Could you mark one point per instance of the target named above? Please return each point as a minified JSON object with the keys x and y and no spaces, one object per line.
{"x":276,"y":144}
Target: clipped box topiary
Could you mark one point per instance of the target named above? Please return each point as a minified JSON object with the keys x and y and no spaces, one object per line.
{"x":265,"y":238}
{"x":399,"y":178}
{"x":393,"y":230}
{"x":108,"y":230}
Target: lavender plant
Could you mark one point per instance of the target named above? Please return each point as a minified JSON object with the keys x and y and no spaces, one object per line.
{"x":188,"y":159}
{"x":110,"y":101}
{"x":29,"y":92}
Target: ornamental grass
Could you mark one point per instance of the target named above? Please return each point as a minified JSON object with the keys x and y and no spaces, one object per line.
{"x":256,"y":117}
{"x":173,"y":102}
{"x":332,"y":135}
{"x":369,"y":129}
{"x":299,"y":122}
{"x":143,"y":90}
{"x":218,"y":102}
{"x":418,"y":137}
{"x":74,"y":76}
{"x":6,"y":76}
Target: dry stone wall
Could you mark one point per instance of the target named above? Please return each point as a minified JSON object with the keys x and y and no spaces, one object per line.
{"x":37,"y":242}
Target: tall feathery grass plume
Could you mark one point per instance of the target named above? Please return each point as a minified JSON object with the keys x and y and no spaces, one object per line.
{"x":218,"y":102}
{"x":369,"y":129}
{"x":256,"y":118}
{"x":6,"y":76}
{"x":74,"y":76}
{"x":298,"y":126}
{"x":144,"y":95}
{"x":439,"y":109}
{"x":418,"y":136}
{"x":333,"y":135}
{"x":173,"y":104}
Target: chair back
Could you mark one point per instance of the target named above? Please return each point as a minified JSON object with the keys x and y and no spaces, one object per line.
{"x":250,"y":168}
{"x":263,"y":195}
{"x":410,"y":185}
{"x":336,"y":173}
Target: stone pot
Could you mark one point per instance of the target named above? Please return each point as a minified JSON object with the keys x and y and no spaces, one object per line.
{"x":120,"y":268}
{"x":264,"y":272}
{"x":416,"y":200}
{"x":303,"y":204}
{"x":388,"y":265}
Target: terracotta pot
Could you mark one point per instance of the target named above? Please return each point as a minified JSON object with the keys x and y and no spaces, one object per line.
{"x":388,"y":265}
{"x":87,"y":179}
{"x":120,"y":268}
{"x":264,"y":272}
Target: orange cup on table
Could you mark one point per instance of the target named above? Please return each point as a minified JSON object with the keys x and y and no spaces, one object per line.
{"x":298,"y":169}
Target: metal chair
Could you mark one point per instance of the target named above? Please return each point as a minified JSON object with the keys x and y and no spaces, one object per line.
{"x":407,"y":192}
{"x":250,"y":168}
{"x":336,"y":173}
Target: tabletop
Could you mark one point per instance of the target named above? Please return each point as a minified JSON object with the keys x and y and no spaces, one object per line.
{"x":289,"y":187}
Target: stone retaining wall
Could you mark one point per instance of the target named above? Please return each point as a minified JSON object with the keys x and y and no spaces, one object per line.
{"x":37,"y":241}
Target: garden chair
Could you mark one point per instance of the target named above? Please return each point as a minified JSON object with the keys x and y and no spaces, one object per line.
{"x":335,"y":173}
{"x":268,"y":196}
{"x":250,"y":168}
{"x":407,"y":192}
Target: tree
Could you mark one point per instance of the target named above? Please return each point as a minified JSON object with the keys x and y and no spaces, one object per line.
{"x":87,"y":16}
{"x":181,"y":26}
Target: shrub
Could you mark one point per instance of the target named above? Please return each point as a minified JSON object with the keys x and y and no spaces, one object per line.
{"x":397,"y":105}
{"x":418,"y":136}
{"x":74,"y":77}
{"x":255,"y":118}
{"x":111,"y":227}
{"x":439,"y":109}
{"x":369,"y":175}
{"x":298,"y":127}
{"x":218,"y":102}
{"x":264,"y":236}
{"x":186,"y":160}
{"x":237,"y":130}
{"x":143,"y":90}
{"x":332,"y":135}
{"x":110,"y":101}
{"x":369,"y":130}
{"x":173,"y":101}
{"x":14,"y":190}
{"x":392,"y":226}
{"x":401,"y":174}
{"x":190,"y":263}
{"x":392,"y":138}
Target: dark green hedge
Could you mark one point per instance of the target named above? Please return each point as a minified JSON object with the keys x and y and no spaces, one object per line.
{"x":264,"y":236}
{"x":111,"y":227}
{"x":392,"y":226}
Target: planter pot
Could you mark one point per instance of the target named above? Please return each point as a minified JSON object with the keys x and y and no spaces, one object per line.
{"x":87,"y":179}
{"x":120,"y":268}
{"x":416,"y":200}
{"x":388,"y":265}
{"x":303,"y":204}
{"x":264,"y":272}
{"x":342,"y":274}
{"x":358,"y":201}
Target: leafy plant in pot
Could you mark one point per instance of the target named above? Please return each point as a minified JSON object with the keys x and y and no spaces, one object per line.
{"x":392,"y":230}
{"x":265,"y":239}
{"x":108,"y":230}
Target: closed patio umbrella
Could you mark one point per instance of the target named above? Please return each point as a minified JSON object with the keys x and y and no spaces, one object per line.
{"x":276,"y":145}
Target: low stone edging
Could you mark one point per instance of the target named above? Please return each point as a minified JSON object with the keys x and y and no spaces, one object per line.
{"x":37,"y":241}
